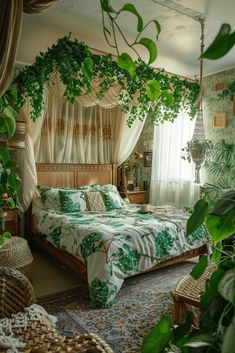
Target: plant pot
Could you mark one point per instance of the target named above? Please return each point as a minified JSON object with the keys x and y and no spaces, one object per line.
{"x":198,"y":154}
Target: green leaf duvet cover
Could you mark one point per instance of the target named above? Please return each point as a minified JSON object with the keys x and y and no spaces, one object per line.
{"x":117,"y":244}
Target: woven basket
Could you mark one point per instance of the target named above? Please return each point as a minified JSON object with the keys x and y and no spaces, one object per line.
{"x":16,"y":253}
{"x":41,"y":336}
{"x":16,"y":292}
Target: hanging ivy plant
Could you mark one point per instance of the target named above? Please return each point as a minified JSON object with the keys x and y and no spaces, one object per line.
{"x":78,"y":66}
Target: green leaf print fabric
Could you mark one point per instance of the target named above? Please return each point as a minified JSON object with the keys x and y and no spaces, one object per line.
{"x":112,"y":200}
{"x":72,"y":201}
{"x":117,"y":244}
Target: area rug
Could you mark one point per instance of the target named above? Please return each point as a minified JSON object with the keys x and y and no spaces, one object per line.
{"x":140,"y":304}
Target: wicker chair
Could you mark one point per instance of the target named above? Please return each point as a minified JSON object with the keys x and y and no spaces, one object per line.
{"x":186,"y":296}
{"x":16,"y":292}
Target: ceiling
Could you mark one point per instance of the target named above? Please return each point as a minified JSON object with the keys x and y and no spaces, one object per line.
{"x":178,"y":44}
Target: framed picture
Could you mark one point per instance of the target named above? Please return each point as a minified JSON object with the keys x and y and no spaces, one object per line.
{"x":219,"y":120}
{"x":148,"y":145}
{"x":147,"y":159}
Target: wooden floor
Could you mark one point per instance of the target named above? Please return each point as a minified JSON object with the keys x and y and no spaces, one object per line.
{"x":48,"y":276}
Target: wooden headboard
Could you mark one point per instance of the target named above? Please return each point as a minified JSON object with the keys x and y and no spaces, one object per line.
{"x":75,"y":175}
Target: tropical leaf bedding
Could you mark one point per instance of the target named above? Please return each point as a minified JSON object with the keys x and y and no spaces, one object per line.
{"x":118,"y":243}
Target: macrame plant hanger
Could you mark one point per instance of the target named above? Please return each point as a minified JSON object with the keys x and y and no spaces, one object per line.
{"x":198,"y":152}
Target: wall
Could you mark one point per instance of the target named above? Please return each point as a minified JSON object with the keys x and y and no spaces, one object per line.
{"x":213,"y":105}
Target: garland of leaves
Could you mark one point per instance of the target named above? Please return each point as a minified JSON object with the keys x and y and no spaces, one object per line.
{"x":78,"y":66}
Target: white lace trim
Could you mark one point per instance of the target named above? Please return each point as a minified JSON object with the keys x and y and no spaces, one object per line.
{"x":20,"y":320}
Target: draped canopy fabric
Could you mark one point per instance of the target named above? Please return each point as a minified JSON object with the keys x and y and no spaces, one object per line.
{"x":11,"y":12}
{"x":88,"y":131}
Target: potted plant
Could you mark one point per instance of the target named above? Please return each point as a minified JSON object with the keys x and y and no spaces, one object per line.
{"x":196,"y":151}
{"x":217,"y":304}
{"x":9,"y":179}
{"x":220,"y":167}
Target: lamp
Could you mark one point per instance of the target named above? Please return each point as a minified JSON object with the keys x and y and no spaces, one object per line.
{"x":198,"y":143}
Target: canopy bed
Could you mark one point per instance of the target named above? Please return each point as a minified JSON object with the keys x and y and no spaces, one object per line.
{"x":107,"y":246}
{"x":72,"y":145}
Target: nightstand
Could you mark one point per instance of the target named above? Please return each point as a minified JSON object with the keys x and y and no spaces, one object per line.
{"x":12,"y":222}
{"x":138,"y":197}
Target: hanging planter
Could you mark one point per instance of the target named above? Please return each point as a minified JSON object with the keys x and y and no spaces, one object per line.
{"x":196,"y":151}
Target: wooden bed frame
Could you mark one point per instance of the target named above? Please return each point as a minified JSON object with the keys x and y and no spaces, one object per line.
{"x":73,"y":176}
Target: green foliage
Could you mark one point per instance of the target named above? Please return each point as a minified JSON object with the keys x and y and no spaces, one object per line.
{"x":158,"y":337}
{"x":111,"y":35}
{"x":204,"y":145}
{"x":217,"y":303}
{"x":222,"y":44}
{"x":220,"y":167}
{"x":200,"y":267}
{"x":3,"y":237}
{"x":9,"y":181}
{"x":77,"y":66}
{"x":227,"y":92}
{"x":8,"y":112}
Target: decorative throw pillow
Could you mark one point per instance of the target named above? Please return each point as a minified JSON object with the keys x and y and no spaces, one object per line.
{"x":95,"y":201}
{"x":72,"y":201}
{"x":110,"y":187}
{"x":112,"y":200}
{"x":50,"y":197}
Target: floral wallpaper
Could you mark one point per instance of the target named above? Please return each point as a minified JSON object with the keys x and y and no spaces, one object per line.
{"x":213,"y":105}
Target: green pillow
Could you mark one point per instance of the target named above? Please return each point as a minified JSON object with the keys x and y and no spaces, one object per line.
{"x":72,"y":201}
{"x":112,"y":200}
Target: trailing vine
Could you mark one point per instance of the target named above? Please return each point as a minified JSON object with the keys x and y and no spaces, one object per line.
{"x":227,"y":92}
{"x":78,"y":66}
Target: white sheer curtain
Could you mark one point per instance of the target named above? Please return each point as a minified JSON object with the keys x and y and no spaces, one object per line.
{"x":103,"y":115}
{"x":172,"y":180}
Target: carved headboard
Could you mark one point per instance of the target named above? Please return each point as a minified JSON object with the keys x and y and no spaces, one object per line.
{"x":75,"y":175}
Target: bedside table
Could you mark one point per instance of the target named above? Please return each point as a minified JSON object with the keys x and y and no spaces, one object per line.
{"x":12,"y":222}
{"x":138,"y":197}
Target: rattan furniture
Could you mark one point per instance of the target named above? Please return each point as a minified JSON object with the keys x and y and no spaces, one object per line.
{"x":15,"y":253}
{"x":34,"y":331}
{"x":28,"y":327}
{"x":186,"y":296}
{"x":16,"y":292}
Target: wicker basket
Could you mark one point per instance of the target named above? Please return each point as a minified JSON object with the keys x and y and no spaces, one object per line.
{"x":186,"y":296}
{"x":41,"y":336}
{"x":16,"y":292}
{"x":16,"y":253}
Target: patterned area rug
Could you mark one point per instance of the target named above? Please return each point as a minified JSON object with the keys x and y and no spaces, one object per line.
{"x":140,"y":304}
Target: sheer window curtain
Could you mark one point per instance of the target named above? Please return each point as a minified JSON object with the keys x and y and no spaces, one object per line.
{"x":172,"y":180}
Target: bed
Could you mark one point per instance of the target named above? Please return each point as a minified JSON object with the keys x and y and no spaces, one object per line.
{"x":104,"y":247}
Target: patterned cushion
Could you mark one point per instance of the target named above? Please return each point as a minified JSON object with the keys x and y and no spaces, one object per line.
{"x":50,"y":197}
{"x":72,"y":201}
{"x":112,"y":200}
{"x":110,"y":187}
{"x":95,"y":201}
